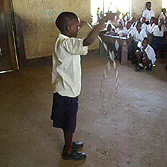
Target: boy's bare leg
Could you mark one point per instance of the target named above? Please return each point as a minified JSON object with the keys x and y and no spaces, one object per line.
{"x":138,"y":57}
{"x":68,"y":141}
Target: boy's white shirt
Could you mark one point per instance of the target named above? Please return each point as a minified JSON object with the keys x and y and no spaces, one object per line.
{"x":144,"y":26}
{"x":148,"y":14}
{"x":157,"y":32}
{"x":66,"y":70}
{"x":150,"y":27}
{"x":162,"y":16}
{"x":138,"y":37}
{"x":150,"y":53}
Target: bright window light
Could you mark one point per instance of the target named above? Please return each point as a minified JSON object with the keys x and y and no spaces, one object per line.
{"x":109,"y":5}
{"x":164,"y":4}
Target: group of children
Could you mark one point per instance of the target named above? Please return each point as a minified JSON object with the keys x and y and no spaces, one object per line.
{"x":138,"y":32}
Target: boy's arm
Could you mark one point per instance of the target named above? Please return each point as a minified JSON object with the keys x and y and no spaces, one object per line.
{"x":93,"y":34}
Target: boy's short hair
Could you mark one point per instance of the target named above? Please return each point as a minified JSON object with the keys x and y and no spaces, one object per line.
{"x":146,"y":39}
{"x":148,"y":3}
{"x":64,"y":19}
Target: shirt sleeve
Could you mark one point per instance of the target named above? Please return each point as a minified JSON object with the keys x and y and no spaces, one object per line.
{"x":153,"y":14}
{"x":151,"y":54}
{"x":75,"y":46}
{"x":144,"y":13}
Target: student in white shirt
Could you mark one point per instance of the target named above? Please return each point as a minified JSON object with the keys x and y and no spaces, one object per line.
{"x":126,"y":30}
{"x":110,"y":29}
{"x":144,"y":25}
{"x":132,"y":22}
{"x":163,"y":15}
{"x":146,"y":56}
{"x":148,"y":12}
{"x":66,"y":78}
{"x":158,"y":43}
{"x":119,"y":26}
{"x":151,"y":25}
{"x":137,"y":35}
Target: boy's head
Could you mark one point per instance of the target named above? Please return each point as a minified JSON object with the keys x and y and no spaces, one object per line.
{"x":132,"y":19}
{"x":109,"y":27}
{"x":127,"y":24}
{"x":138,"y":25}
{"x":119,"y":23}
{"x":148,"y":5}
{"x":152,"y":20}
{"x":145,"y":42}
{"x":143,"y":19}
{"x":68,"y":24}
{"x":163,"y":10}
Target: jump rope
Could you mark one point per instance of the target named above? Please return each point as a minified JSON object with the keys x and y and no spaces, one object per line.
{"x":108,"y":67}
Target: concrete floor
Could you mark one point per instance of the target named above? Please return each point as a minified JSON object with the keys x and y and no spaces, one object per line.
{"x":126,"y":131}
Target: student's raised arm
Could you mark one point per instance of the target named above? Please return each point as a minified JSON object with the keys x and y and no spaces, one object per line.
{"x":95,"y":31}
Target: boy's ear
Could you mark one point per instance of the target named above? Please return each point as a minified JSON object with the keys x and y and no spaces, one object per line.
{"x":68,"y":28}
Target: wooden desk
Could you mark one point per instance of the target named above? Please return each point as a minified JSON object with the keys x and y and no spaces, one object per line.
{"x":123,"y":46}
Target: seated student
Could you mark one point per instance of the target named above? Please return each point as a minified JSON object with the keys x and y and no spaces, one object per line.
{"x":150,"y":26}
{"x":163,"y":15}
{"x":159,"y":44}
{"x":119,"y":27}
{"x":132,"y":22}
{"x":144,"y":25}
{"x":145,"y":56}
{"x":110,"y":29}
{"x":148,"y":12}
{"x":126,"y":30}
{"x":137,"y":35}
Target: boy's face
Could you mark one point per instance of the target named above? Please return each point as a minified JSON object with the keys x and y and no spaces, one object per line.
{"x":74,"y":28}
{"x":128,"y":25}
{"x":148,"y":6}
{"x":152,"y":20}
{"x":138,"y":26}
{"x":143,"y":20}
{"x":145,"y":43}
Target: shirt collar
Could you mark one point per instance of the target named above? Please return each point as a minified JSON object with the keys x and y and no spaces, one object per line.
{"x":63,"y":36}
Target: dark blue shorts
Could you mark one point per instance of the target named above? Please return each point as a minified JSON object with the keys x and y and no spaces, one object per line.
{"x":64,"y":112}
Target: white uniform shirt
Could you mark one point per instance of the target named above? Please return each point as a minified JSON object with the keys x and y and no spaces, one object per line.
{"x":117,"y":30}
{"x":138,"y":37}
{"x":66,"y":72}
{"x":162,"y":16}
{"x":150,"y":53}
{"x":126,"y":31}
{"x":150,"y":27}
{"x":157,"y":32}
{"x":144,"y":26}
{"x":148,"y":14}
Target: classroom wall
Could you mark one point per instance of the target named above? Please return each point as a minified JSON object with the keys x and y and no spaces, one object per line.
{"x":139,"y":5}
{"x":38,"y":18}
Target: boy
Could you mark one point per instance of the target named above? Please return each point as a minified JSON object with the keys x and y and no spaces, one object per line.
{"x":145,"y":56}
{"x":148,"y":12}
{"x":66,"y":78}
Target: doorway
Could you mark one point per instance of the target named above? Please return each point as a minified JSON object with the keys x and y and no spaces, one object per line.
{"x":8,"y":57}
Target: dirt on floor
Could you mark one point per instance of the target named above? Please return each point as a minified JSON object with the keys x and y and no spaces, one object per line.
{"x":128,"y":130}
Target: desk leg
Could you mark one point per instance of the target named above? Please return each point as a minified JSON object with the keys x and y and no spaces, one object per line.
{"x":124,"y":54}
